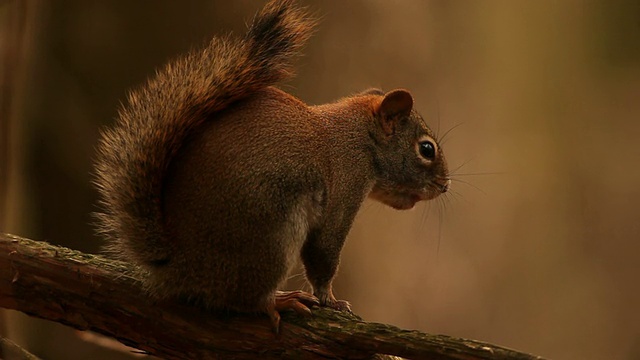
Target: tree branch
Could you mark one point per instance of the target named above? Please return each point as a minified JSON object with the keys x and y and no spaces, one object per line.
{"x":11,"y":350}
{"x":90,"y":292}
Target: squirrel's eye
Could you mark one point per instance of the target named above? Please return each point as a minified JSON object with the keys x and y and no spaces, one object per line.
{"x":427,"y":150}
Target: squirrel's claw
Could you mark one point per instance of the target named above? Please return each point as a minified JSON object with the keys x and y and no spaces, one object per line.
{"x":274,"y":317}
{"x":298,"y":301}
{"x":327,"y":299}
{"x":298,"y":295}
{"x":341,"y":305}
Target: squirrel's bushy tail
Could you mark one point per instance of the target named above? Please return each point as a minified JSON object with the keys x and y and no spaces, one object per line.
{"x":133,"y":156}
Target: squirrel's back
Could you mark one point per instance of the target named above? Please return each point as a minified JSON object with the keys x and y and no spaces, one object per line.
{"x":134,"y":155}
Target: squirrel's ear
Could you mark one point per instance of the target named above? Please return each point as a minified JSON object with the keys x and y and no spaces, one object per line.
{"x":395,"y":105}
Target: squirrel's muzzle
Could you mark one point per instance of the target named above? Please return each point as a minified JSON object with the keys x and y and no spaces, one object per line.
{"x":443,"y":184}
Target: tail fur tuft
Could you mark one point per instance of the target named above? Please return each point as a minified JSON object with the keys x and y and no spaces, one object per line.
{"x":133,"y":155}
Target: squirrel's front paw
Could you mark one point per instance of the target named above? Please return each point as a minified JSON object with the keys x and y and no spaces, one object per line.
{"x":327,"y":299}
{"x":340,"y":305}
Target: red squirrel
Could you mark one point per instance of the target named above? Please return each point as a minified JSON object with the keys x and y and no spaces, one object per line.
{"x":214,"y":182}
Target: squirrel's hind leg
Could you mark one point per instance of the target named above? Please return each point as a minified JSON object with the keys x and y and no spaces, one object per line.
{"x":298,"y":301}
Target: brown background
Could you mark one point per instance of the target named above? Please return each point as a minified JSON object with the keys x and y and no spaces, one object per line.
{"x":539,"y":252}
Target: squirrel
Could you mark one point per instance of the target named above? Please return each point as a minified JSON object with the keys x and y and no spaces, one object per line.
{"x":214,"y":182}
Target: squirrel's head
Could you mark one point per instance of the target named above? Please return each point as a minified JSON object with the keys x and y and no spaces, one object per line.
{"x":408,"y":161}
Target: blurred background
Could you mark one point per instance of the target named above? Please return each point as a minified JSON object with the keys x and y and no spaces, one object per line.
{"x":535,"y":248}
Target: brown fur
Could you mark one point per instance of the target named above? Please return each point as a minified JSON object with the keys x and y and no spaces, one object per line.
{"x":215,"y":182}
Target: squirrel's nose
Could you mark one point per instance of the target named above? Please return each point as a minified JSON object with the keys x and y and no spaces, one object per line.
{"x":444,"y":186}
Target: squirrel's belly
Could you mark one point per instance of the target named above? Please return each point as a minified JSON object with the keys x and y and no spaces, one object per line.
{"x":302,"y":217}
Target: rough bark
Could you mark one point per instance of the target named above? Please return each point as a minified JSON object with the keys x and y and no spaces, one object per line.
{"x":90,"y":292}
